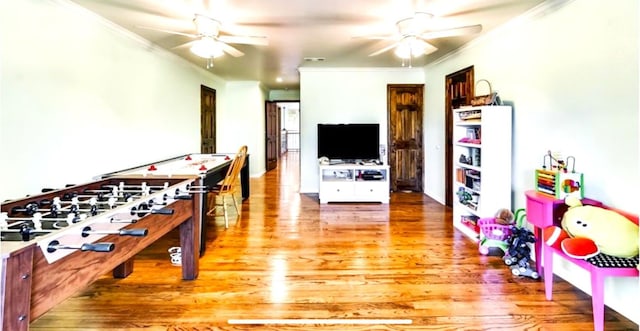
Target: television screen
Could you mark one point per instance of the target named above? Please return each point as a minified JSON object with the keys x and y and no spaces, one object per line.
{"x":349,"y":141}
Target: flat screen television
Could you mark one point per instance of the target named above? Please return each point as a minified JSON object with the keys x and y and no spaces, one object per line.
{"x":349,"y":141}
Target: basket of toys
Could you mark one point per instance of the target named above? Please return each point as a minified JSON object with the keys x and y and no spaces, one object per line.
{"x":492,"y":230}
{"x":495,"y":231}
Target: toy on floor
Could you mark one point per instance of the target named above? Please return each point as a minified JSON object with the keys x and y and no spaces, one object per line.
{"x":505,"y":235}
{"x":495,"y":231}
{"x":518,"y":256}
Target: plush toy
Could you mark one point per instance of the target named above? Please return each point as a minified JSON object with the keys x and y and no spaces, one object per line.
{"x":504,"y":217}
{"x":589,"y":230}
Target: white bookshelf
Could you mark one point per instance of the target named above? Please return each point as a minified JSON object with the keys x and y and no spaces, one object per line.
{"x":483,"y":136}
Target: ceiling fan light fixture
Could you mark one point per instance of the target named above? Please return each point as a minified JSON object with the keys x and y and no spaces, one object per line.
{"x":413,"y":47}
{"x":207,"y":48}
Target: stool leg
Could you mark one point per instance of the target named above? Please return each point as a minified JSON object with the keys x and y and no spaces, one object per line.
{"x":224,"y":207}
{"x":235,"y":204}
{"x":211,"y":204}
{"x":547,"y":253}
{"x":597,"y":300}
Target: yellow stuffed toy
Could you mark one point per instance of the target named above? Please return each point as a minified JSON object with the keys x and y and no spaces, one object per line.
{"x":592,"y":230}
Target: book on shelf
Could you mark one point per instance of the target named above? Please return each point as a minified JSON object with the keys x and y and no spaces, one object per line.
{"x":461,"y":176}
{"x":471,"y":221}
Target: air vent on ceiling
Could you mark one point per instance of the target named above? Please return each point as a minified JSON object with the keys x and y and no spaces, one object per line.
{"x":314,"y":59}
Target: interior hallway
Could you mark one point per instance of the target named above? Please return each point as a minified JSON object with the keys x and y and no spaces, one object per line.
{"x":288,"y":257}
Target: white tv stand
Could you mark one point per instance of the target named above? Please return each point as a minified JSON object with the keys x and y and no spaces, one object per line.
{"x":351,"y":182}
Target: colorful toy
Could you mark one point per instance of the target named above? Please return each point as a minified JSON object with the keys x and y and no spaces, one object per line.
{"x":518,"y":256}
{"x":495,"y":231}
{"x":493,"y":235}
{"x":500,"y":235}
{"x":555,"y":180}
{"x":589,"y":230}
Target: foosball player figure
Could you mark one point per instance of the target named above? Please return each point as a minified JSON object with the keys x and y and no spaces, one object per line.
{"x":518,"y":254}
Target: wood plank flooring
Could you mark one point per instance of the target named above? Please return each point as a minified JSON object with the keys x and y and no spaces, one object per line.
{"x":288,"y":257}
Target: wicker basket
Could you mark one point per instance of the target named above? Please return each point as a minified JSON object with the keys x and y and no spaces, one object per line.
{"x":469,"y":115}
{"x":491,"y":99}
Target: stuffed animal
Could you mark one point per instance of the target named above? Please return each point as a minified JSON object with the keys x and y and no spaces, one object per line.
{"x":589,"y":230}
{"x":504,"y":217}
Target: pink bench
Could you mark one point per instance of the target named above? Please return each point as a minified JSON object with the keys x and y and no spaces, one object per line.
{"x":543,"y":211}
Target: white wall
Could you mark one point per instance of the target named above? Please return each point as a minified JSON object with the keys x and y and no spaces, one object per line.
{"x":80,"y":96}
{"x":343,"y":95}
{"x":571,"y":73}
{"x":243,"y":123}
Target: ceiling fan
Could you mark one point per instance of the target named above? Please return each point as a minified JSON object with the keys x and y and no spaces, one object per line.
{"x":411,"y":39}
{"x":211,"y":40}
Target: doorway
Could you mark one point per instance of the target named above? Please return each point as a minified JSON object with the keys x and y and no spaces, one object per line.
{"x":207,"y":120}
{"x":459,"y":91}
{"x":282,"y":122}
{"x":404,"y":111}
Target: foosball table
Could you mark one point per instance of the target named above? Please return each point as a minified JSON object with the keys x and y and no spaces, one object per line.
{"x":210,"y":168}
{"x":58,"y":242}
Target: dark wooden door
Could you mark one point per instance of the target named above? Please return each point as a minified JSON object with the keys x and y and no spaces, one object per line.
{"x":459,"y":89}
{"x":272,"y":134}
{"x":207,"y":120}
{"x":404,"y":107}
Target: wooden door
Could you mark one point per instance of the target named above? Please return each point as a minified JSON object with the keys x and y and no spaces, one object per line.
{"x":404,"y":107}
{"x":207,"y":120}
{"x":272,"y":134}
{"x":459,"y":89}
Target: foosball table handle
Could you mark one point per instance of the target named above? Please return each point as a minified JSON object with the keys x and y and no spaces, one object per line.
{"x":98,"y":247}
{"x":162,"y":211}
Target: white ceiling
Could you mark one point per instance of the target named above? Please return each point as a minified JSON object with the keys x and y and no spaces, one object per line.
{"x":298,"y":29}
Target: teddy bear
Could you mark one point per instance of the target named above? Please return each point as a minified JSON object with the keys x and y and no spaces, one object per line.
{"x":589,"y":230}
{"x":504,"y":217}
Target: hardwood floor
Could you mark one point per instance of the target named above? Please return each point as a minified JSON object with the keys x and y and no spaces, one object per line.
{"x":288,"y":257}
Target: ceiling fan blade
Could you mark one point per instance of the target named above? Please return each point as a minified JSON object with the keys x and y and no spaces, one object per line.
{"x":453,"y":32}
{"x":191,"y":35}
{"x":185,"y":45}
{"x":247,"y":40}
{"x":376,"y":37}
{"x":500,"y":6}
{"x":378,"y":52}
{"x":310,"y":19}
{"x":231,"y":50}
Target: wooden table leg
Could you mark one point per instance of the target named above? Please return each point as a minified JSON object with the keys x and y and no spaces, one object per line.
{"x":15,"y":304}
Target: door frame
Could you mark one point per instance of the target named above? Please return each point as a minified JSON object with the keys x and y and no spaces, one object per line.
{"x":203,"y":89}
{"x":269,"y":164}
{"x":266,"y":119}
{"x":448,"y":128}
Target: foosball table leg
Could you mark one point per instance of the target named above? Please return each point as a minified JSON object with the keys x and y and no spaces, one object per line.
{"x":124,"y":269}
{"x":15,"y":306}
